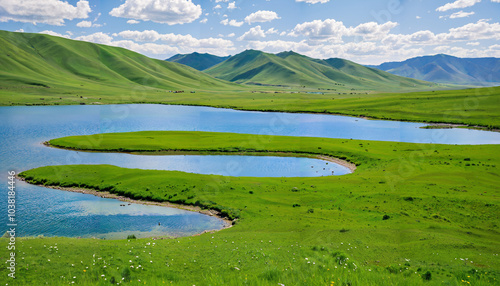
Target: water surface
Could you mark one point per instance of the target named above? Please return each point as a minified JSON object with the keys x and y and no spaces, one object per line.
{"x":52,"y":212}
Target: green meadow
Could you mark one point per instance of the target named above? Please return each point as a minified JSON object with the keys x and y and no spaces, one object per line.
{"x":410,"y":214}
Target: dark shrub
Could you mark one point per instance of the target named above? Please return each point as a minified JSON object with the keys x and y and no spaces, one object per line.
{"x":386,"y":217}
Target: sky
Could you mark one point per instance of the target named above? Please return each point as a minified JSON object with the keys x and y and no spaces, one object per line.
{"x":366,"y":32}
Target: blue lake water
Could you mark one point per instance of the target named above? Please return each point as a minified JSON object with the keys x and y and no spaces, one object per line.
{"x":53,"y":212}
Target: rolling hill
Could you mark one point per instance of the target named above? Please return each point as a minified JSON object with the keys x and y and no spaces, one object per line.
{"x":35,"y":63}
{"x":197,"y":61}
{"x":448,"y":69}
{"x":293,"y":69}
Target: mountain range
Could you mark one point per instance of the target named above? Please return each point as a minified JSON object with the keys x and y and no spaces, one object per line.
{"x":293,"y":69}
{"x":33,"y":63}
{"x":448,"y":69}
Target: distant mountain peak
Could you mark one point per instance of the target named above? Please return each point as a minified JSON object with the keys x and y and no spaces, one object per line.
{"x":199,"y":61}
{"x":444,"y":68}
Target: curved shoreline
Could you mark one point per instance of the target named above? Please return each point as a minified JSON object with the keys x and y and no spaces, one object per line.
{"x":104,"y":194}
{"x":351,"y":166}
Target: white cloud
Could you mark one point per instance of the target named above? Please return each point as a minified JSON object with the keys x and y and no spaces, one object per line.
{"x":231,"y":6}
{"x":52,"y":12}
{"x":231,"y":35}
{"x":272,"y":31}
{"x":217,"y":1}
{"x":474,"y":31}
{"x":495,"y":1}
{"x":204,"y":21}
{"x":253,"y":34}
{"x":473,"y":43}
{"x":372,"y":30}
{"x":461,"y":14}
{"x":98,"y":38}
{"x":218,"y":6}
{"x":313,"y":1}
{"x":232,"y":22}
{"x":261,"y":16}
{"x":418,"y":17}
{"x":321,"y":30}
{"x":52,"y":33}
{"x":334,"y":31}
{"x":182,"y":41}
{"x":84,"y":24}
{"x":457,"y":5}
{"x":166,"y":11}
{"x":132,"y":22}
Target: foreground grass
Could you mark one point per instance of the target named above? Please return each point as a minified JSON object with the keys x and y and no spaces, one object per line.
{"x":440,"y":203}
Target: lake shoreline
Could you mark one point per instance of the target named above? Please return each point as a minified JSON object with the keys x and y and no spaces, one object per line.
{"x":104,"y":194}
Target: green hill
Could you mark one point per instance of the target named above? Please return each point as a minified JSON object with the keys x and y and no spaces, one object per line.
{"x":197,"y":61}
{"x":43,"y":64}
{"x":448,"y":69}
{"x":292,"y":69}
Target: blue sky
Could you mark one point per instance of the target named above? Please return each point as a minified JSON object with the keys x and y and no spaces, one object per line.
{"x":367,"y":32}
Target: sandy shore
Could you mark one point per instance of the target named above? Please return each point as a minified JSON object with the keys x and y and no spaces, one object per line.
{"x":227,"y":223}
{"x":344,"y":163}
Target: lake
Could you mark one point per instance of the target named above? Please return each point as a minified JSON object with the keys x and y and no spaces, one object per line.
{"x":59,"y":213}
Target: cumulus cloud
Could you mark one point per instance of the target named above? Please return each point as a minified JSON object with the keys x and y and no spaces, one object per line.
{"x":52,"y":12}
{"x":87,"y":24}
{"x":457,"y":5}
{"x":253,"y":34}
{"x":272,"y":31}
{"x":313,"y":1}
{"x":231,"y":6}
{"x":98,"y":38}
{"x":261,"y":16}
{"x":320,"y":30}
{"x":84,"y":24}
{"x":133,"y":22}
{"x":372,"y":30}
{"x":475,"y":31}
{"x":232,"y":22}
{"x":182,"y":41}
{"x":169,"y":12}
{"x":334,"y":31}
{"x":461,"y":14}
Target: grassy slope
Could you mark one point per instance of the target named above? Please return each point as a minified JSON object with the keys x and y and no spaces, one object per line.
{"x":293,"y":69}
{"x":442,"y":208}
{"x":38,"y":64}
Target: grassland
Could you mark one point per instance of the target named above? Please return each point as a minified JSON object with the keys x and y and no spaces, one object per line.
{"x":411,"y":214}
